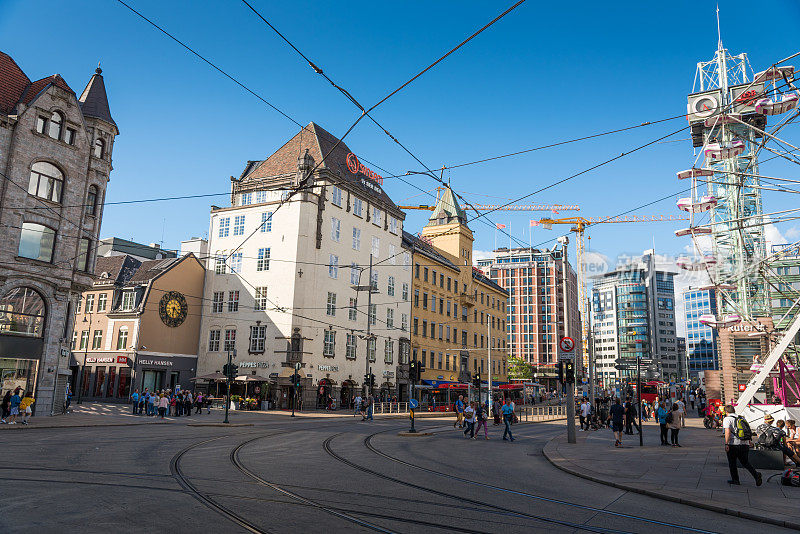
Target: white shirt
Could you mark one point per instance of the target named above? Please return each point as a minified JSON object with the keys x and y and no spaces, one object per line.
{"x":681,"y":405}
{"x":585,"y":408}
{"x":469,"y":414}
{"x":730,"y":423}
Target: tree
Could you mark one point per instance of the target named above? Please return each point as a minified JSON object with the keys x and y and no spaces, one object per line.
{"x":519,"y":369}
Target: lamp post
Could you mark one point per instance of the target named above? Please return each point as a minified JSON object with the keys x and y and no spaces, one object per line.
{"x":85,"y":355}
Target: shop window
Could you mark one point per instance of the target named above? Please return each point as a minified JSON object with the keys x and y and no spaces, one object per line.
{"x":22,"y":311}
{"x":112,"y":376}
{"x":99,"y":380}
{"x":123,"y":389}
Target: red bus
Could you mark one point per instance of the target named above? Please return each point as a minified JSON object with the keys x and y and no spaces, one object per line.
{"x":653,"y":389}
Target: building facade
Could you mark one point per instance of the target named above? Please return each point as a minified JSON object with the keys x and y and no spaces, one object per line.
{"x":701,"y":339}
{"x":115,"y":246}
{"x":290,"y":280}
{"x":634,"y":319}
{"x":55,"y":160}
{"x":535,"y":282}
{"x":137,"y":327}
{"x":459,"y":314}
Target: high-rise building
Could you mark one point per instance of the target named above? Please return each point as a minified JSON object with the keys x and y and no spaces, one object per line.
{"x":784,"y":281}
{"x":634,"y":318}
{"x":701,"y":340}
{"x":55,"y":162}
{"x":535,"y":282}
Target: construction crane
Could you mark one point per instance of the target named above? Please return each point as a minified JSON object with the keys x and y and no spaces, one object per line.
{"x":555,"y":208}
{"x":579,"y":225}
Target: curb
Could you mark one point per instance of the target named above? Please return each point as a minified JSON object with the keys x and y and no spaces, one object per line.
{"x":85,"y":425}
{"x":705,"y":505}
{"x":226,"y":425}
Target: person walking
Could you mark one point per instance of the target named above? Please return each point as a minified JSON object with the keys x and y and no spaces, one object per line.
{"x":163,"y":403}
{"x":459,"y":412}
{"x":135,"y":401}
{"x":370,"y":407}
{"x":198,"y":402}
{"x":508,"y":413}
{"x":469,"y":420}
{"x":737,"y":448}
{"x":616,"y":416}
{"x":586,"y":409}
{"x":482,"y":414}
{"x":661,"y":417}
{"x":151,"y":404}
{"x":14,"y":406}
{"x":496,"y":410}
{"x":25,"y":407}
{"x":691,"y":398}
{"x":187,"y":404}
{"x":357,"y":405}
{"x":5,"y":407}
{"x":675,"y":424}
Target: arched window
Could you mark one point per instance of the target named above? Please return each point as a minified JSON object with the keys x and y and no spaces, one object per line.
{"x":36,"y":242}
{"x":99,"y":148}
{"x":91,"y":200}
{"x":22,"y":311}
{"x":47,"y":181}
{"x":56,"y":125}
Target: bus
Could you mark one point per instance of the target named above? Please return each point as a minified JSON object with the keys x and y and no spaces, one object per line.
{"x":652,"y":389}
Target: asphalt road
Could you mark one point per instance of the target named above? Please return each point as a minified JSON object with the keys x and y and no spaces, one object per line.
{"x":313,"y":475}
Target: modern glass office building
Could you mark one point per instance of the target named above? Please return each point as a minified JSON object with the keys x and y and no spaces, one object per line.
{"x":701,"y":340}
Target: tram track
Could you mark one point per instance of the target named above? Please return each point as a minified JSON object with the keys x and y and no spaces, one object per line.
{"x":511,"y":512}
{"x":368,"y":444}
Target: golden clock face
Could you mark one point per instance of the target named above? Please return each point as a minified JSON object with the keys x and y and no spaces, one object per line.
{"x":173,"y":309}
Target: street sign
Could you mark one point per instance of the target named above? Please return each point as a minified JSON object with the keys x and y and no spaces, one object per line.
{"x":566,"y":348}
{"x":413,"y":404}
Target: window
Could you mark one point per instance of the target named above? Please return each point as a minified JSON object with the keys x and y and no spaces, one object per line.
{"x":236,"y":262}
{"x":392,"y":254}
{"x":56,"y":125}
{"x":371,"y":346}
{"x":350,"y":348}
{"x":331,"y":305}
{"x":99,"y":148}
{"x":416,"y":271}
{"x":377,"y":216}
{"x":84,"y":246}
{"x":102,"y":302}
{"x":266,"y":221}
{"x":97,"y":340}
{"x":416,"y":298}
{"x":356,"y":238}
{"x":407,"y":262}
{"x":91,"y":200}
{"x":354,"y":274}
{"x":230,"y":340}
{"x":415,"y":331}
{"x":41,"y":124}
{"x":46,"y":181}
{"x":376,"y":246}
{"x":336,"y":196}
{"x":84,"y":340}
{"x":329,"y":343}
{"x":336,"y":227}
{"x":238,"y":225}
{"x":352,"y":311}
{"x":128,"y":300}
{"x":258,"y":336}
{"x":122,"y":338}
{"x":424,"y":328}
{"x":404,"y":322}
{"x":390,"y":288}
{"x":74,"y":340}
{"x":373,"y":313}
{"x":224,"y":226}
{"x":261,"y":299}
{"x":393,"y":225}
{"x":374,"y":280}
{"x":388,"y":346}
{"x":22,"y":311}
{"x":424,"y":301}
{"x":219,"y":263}
{"x":405,"y":291}
{"x":333,"y":266}
{"x":213,"y":341}
{"x":217,"y":302}
{"x":233,"y":301}
{"x":358,"y":207}
{"x":89,"y":303}
{"x":261,"y":197}
{"x":262,"y":263}
{"x":425,"y":274}
{"x":247,"y":199}
{"x":389,"y":318}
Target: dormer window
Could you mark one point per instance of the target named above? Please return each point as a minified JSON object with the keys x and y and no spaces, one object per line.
{"x":56,"y":125}
{"x":99,"y":148}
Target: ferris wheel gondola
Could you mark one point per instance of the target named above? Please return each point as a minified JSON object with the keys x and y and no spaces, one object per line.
{"x":700,"y":230}
{"x":776,"y":106}
{"x":712,"y":287}
{"x":694,"y":172}
{"x":704,"y":204}
{"x":774,"y":73}
{"x":724,"y":321}
{"x":688,"y":265}
{"x":724,"y":150}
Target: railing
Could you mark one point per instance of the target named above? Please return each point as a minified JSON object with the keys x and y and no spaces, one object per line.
{"x":390,"y":407}
{"x":541,"y":413}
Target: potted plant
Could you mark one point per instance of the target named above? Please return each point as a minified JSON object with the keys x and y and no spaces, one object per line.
{"x":237,"y":399}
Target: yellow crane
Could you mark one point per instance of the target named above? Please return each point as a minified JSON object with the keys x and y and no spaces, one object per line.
{"x":555,"y":208}
{"x":579,"y":225}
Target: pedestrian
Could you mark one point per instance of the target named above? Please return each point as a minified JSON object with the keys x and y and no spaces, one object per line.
{"x":508,"y":413}
{"x":586,"y":408}
{"x":5,"y":407}
{"x":135,"y":401}
{"x":737,"y":447}
{"x":25,"y":407}
{"x":151,"y":404}
{"x":691,"y":398}
{"x":14,"y":406}
{"x":370,"y":406}
{"x":496,"y":411}
{"x":357,"y":405}
{"x":681,"y":407}
{"x":459,"y":412}
{"x":67,"y":399}
{"x":187,"y":404}
{"x":163,"y":403}
{"x":628,"y":418}
{"x":675,"y":424}
{"x":469,"y":419}
{"x":616,"y":416}
{"x":661,"y":416}
{"x":482,"y":414}
{"x":199,"y":403}
{"x":634,"y":413}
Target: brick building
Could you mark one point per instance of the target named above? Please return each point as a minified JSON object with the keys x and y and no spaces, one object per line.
{"x":55,"y":161}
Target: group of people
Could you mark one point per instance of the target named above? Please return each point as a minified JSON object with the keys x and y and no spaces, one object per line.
{"x":472,"y":412}
{"x":784,"y":437}
{"x":364,"y":407}
{"x":167,"y":402}
{"x":15,"y":404}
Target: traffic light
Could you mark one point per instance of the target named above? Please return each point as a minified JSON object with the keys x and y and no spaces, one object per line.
{"x":569,"y":371}
{"x":230,"y":370}
{"x":561,"y":371}
{"x":476,"y":381}
{"x":372,"y":381}
{"x":296,"y":380}
{"x":366,"y":379}
{"x":412,"y":370}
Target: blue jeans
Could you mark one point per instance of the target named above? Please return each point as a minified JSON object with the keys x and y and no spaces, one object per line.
{"x":135,"y":407}
{"x":369,"y":412}
{"x":507,"y":421}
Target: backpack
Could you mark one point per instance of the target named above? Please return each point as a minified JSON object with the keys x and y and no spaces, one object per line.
{"x":790,"y":477}
{"x":768,"y":439}
{"x":669,"y":418}
{"x":742,"y":429}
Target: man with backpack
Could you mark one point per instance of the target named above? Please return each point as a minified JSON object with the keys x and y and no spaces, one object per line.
{"x":774,"y":438}
{"x":738,"y":438}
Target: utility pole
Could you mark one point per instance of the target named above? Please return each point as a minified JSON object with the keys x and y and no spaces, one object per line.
{"x":368,"y":371}
{"x":639,"y":395}
{"x":489,"y":351}
{"x":85,"y":355}
{"x":228,"y":381}
{"x":570,"y":387}
{"x":590,"y":339}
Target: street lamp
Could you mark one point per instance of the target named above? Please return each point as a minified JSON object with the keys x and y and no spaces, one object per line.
{"x":85,"y":355}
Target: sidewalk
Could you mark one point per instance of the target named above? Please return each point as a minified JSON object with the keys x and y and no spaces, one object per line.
{"x":695,"y":474}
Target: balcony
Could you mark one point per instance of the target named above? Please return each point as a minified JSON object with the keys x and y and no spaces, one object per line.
{"x":465,"y":299}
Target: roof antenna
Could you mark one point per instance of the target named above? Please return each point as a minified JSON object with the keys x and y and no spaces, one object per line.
{"x":719,"y":33}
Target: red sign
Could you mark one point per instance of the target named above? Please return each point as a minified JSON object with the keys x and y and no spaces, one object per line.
{"x":567,"y":344}
{"x":742,"y":387}
{"x":122,"y":360}
{"x":356,"y":167}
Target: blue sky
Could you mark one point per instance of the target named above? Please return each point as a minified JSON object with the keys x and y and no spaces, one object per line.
{"x":546,"y":72}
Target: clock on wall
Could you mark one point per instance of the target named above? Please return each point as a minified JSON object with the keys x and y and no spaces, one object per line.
{"x":172,"y":309}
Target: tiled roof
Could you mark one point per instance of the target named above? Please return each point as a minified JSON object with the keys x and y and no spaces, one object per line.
{"x":479,"y":276}
{"x":119,"y":269}
{"x":419,"y":246}
{"x":152,"y":268}
{"x":12,"y":83}
{"x":318,"y":142}
{"x":40,"y":85}
{"x":94,"y":101}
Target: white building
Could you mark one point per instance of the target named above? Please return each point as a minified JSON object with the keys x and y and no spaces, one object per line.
{"x":280,"y":286}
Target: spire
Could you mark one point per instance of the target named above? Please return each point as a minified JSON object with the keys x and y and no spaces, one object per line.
{"x":447,"y":208}
{"x":94,"y":101}
{"x":719,"y":33}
